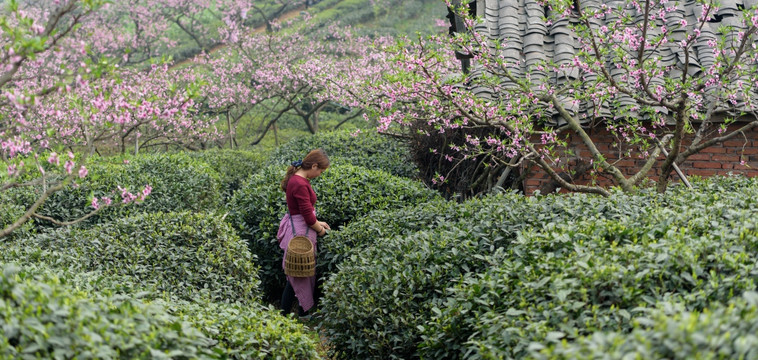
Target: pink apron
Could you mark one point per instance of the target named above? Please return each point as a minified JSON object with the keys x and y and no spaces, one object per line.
{"x":304,"y":286}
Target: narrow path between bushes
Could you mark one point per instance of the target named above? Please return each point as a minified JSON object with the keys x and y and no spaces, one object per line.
{"x":323,"y":345}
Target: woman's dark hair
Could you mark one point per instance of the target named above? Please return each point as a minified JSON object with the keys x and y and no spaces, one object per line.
{"x":317,"y":156}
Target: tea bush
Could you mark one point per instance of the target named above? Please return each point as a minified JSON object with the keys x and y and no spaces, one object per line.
{"x":44,"y":319}
{"x":9,"y":213}
{"x":571,"y":279}
{"x":179,"y":182}
{"x":694,"y":246}
{"x":248,"y":332}
{"x":373,"y":306}
{"x":366,"y":149}
{"x":345,"y":192}
{"x":671,"y":332}
{"x":182,"y":254}
{"x":233,"y":166}
{"x":377,"y":303}
{"x":383,"y":224}
{"x":525,"y":271}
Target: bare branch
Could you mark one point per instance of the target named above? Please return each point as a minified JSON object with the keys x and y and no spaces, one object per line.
{"x":357,"y":113}
{"x":587,"y":140}
{"x":695,"y":148}
{"x":636,"y":178}
{"x":569,"y":186}
{"x":69,"y":223}
{"x":32,"y":209}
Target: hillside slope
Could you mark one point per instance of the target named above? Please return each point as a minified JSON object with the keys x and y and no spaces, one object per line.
{"x":383,"y":17}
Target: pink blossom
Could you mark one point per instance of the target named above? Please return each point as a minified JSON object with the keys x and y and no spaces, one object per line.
{"x":53,"y":159}
{"x":145,"y":192}
{"x":126,"y":196}
{"x":69,"y":165}
{"x":83,"y":172}
{"x":94,"y":203}
{"x":12,"y":170}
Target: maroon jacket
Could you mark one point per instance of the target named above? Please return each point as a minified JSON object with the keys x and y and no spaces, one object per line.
{"x":301,"y":199}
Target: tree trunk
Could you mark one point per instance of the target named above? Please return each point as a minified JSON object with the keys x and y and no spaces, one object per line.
{"x":231,"y":133}
{"x":276,"y":136}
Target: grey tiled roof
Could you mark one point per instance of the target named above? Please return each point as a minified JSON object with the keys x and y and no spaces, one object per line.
{"x":529,"y":40}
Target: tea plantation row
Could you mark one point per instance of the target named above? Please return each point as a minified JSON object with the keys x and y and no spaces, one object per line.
{"x":549,"y":277}
{"x":172,"y":271}
{"x":406,"y":274}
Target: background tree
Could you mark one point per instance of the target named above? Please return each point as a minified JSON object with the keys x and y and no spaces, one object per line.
{"x":652,"y":73}
{"x":299,"y":70}
{"x":137,"y":31}
{"x":34,"y":60}
{"x":60,"y":101}
{"x":130,"y":111}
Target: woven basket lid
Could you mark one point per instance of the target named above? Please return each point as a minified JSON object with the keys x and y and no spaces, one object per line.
{"x":300,"y":245}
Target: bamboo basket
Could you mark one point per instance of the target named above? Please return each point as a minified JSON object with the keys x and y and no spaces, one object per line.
{"x":300,"y":260}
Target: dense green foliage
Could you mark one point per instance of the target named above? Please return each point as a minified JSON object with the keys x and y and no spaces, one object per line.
{"x":521,"y":273}
{"x":670,"y":332}
{"x":345,"y":193}
{"x":181,"y":254}
{"x":367,"y":149}
{"x":232,"y":166}
{"x":44,"y":319}
{"x":384,"y":17}
{"x":568,"y":279}
{"x":374,"y":304}
{"x":179,"y":182}
{"x":249,"y":332}
{"x":384,"y":224}
{"x":10,"y":211}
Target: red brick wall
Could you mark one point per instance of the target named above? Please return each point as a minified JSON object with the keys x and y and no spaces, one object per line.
{"x":716,"y":160}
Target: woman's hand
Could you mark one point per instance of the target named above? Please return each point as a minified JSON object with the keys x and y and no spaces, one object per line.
{"x":323,"y":228}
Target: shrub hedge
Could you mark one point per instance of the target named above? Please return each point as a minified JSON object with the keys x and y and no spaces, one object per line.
{"x":345,"y":192}
{"x":383,"y":224}
{"x":367,"y":149}
{"x":572,"y":279}
{"x":522,"y":273}
{"x":249,"y":332}
{"x":179,"y":182}
{"x":187,"y":255}
{"x":671,"y":332}
{"x":43,"y":319}
{"x":9,"y":213}
{"x":233,"y":167}
{"x":374,"y":305}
